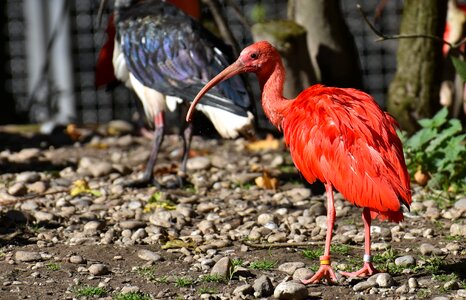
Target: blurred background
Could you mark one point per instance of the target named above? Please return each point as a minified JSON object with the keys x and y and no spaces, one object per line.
{"x":50,"y":47}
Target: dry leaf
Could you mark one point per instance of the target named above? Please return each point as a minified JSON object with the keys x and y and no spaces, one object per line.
{"x":174,"y":244}
{"x":73,"y":132}
{"x":267,"y":182}
{"x":81,"y":186}
{"x":269,"y":143}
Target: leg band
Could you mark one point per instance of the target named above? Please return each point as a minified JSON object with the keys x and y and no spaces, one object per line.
{"x":367,"y":258}
{"x":325,"y":260}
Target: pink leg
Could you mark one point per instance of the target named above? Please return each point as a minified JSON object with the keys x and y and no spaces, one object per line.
{"x":325,"y":271}
{"x":368,"y":269}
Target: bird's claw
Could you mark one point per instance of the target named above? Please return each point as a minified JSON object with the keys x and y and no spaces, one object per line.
{"x":142,"y":183}
{"x":325,"y":272}
{"x":367,"y":270}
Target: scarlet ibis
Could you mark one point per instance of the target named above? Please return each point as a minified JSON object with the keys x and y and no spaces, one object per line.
{"x":166,"y":56}
{"x":339,"y":136}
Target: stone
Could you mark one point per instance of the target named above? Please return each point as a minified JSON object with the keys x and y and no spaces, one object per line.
{"x":38,"y":187}
{"x":458,"y":229}
{"x":429,"y":249}
{"x":198,"y":163}
{"x":77,"y":259}
{"x":263,"y":286}
{"x":28,"y":177}
{"x":98,"y":269}
{"x":302,"y":274}
{"x":243,"y":290}
{"x":290,"y":290}
{"x":17,"y":189}
{"x":132,"y":224}
{"x":222,"y":268}
{"x":460,"y":204}
{"x":43,"y":216}
{"x":321,"y":222}
{"x":363,"y":285}
{"x":130,"y":289}
{"x":27,"y":256}
{"x":385,"y":280}
{"x":451,"y":285}
{"x":265,"y":218}
{"x":290,"y":267}
{"x":405,"y":261}
{"x":412,"y":283}
{"x":149,"y":255}
{"x":94,"y":226}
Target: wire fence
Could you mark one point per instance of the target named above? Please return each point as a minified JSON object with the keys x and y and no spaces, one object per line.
{"x":97,"y":106}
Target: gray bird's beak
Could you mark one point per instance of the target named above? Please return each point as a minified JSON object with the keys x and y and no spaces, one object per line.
{"x":230,"y":71}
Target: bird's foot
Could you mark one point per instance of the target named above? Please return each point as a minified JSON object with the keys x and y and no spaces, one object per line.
{"x":367,"y":270}
{"x":179,"y":182}
{"x":143,"y":182}
{"x":325,"y":272}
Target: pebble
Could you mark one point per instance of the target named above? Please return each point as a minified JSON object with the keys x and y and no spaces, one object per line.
{"x":132,"y":224}
{"x":98,"y":269}
{"x":451,"y":285}
{"x":130,"y":289}
{"x":263,"y":287}
{"x":290,"y":290}
{"x":302,"y":274}
{"x":458,"y":229}
{"x":198,"y":163}
{"x":265,"y":218}
{"x":460,"y":204}
{"x":149,"y":255}
{"x":321,"y":222}
{"x":405,"y":261}
{"x":94,"y":226}
{"x":385,"y":280}
{"x":17,"y":189}
{"x":364,"y":285}
{"x":38,"y":187}
{"x":27,"y":256}
{"x":412,"y":283}
{"x":43,"y":216}
{"x":77,"y":259}
{"x":28,"y":177}
{"x":243,"y":290}
{"x":290,"y":267}
{"x":222,"y":268}
{"x":429,"y":249}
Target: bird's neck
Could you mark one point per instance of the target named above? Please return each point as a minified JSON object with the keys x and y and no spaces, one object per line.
{"x":274,"y":104}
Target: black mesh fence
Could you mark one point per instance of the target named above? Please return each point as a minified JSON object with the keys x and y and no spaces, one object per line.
{"x":96,"y":106}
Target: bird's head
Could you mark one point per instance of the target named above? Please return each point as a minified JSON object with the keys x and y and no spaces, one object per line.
{"x":257,"y":58}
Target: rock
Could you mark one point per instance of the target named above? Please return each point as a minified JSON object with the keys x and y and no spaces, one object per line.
{"x":405,"y":261}
{"x":380,"y":246}
{"x":451,"y":285}
{"x":403,"y":289}
{"x":94,"y":226}
{"x":149,"y":255}
{"x":28,"y":177}
{"x":302,"y":274}
{"x":385,"y":280}
{"x":222,"y":268}
{"x":43,"y":216}
{"x":432,"y":213}
{"x":27,"y":256}
{"x":290,"y":267}
{"x":98,"y":269}
{"x":412,"y":283}
{"x":460,"y":204}
{"x":243,"y":290}
{"x":263,"y":287}
{"x":29,"y":205}
{"x":77,"y":259}
{"x":132,"y":224}
{"x":321,"y":222}
{"x":441,"y":298}
{"x":161,"y":218}
{"x":317,"y":209}
{"x":458,"y":229}
{"x":291,"y":290}
{"x":38,"y":187}
{"x":198,"y":163}
{"x":206,"y":227}
{"x":429,"y":249}
{"x":279,"y":237}
{"x":461,"y":293}
{"x":25,"y":155}
{"x":363,"y":285}
{"x":17,"y":189}
{"x":130,"y":289}
{"x":265,"y":218}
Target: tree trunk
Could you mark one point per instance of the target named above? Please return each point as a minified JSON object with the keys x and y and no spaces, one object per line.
{"x":414,"y":91}
{"x":333,"y":50}
{"x":7,"y":112}
{"x":289,"y":39}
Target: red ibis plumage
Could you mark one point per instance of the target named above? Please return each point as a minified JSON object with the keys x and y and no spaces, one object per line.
{"x":339,"y":136}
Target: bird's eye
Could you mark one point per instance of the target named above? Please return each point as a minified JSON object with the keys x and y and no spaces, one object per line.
{"x":254,"y":55}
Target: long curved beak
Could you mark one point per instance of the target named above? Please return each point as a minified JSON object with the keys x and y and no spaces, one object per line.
{"x":230,"y":71}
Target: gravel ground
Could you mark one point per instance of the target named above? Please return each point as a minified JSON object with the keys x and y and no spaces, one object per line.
{"x":70,"y":230}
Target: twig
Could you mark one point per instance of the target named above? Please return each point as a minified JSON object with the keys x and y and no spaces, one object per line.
{"x":281,"y":245}
{"x":225,"y":32}
{"x":6,"y":202}
{"x":239,"y":14}
{"x":383,"y":37}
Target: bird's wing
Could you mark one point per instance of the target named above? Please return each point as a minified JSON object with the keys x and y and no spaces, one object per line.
{"x":170,"y":52}
{"x":341,"y":136}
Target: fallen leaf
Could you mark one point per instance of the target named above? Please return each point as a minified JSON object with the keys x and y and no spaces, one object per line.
{"x":73,"y":132}
{"x":81,"y":186}
{"x":266,"y":181}
{"x":269,"y":143}
{"x":174,"y":244}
